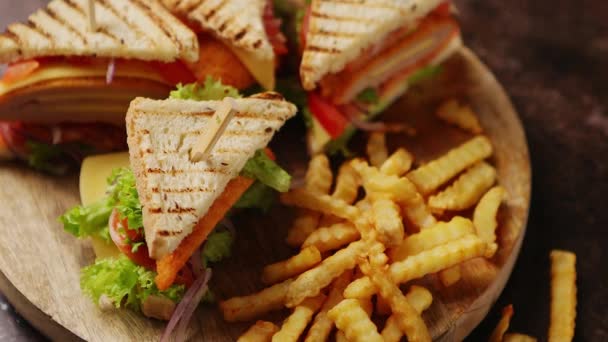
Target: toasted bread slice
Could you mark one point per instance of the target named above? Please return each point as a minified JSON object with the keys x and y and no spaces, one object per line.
{"x":339,"y":32}
{"x":237,"y":22}
{"x":174,"y":191}
{"x":239,"y":25}
{"x":140,"y":29}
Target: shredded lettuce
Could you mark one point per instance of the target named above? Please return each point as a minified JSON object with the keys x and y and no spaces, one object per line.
{"x":124,"y":283}
{"x":265,"y":170}
{"x":217,"y":247}
{"x":258,"y":196}
{"x":211,"y":89}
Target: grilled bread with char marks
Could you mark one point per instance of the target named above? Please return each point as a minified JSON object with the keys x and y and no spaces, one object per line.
{"x":340,"y":31}
{"x":174,"y":191}
{"x":139,"y":29}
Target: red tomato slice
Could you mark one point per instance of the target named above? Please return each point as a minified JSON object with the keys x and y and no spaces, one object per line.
{"x":304,"y":27}
{"x":175,"y":72}
{"x":141,"y":256}
{"x":272,"y":26}
{"x":20,"y":70}
{"x":328,"y":115}
{"x":443,"y":10}
{"x":270,"y":154}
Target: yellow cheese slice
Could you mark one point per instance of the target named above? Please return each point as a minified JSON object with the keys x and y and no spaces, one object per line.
{"x":261,"y":69}
{"x":93,"y":175}
{"x":66,"y":70}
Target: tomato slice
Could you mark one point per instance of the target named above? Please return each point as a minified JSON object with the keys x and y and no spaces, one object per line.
{"x":443,"y":10}
{"x":176,"y":72}
{"x":272,"y":26}
{"x":328,"y":115}
{"x":304,"y":27}
{"x":120,"y":236}
{"x":20,"y":70}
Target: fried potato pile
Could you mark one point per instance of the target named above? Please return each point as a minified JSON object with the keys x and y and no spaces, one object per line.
{"x":365,"y":233}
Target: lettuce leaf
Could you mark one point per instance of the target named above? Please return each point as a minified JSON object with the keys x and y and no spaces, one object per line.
{"x":211,"y":89}
{"x":425,"y":73}
{"x":265,"y":170}
{"x":258,"y":196}
{"x":92,"y":220}
{"x":124,"y":283}
{"x":369,"y":95}
{"x":217,"y":247}
{"x":124,"y":197}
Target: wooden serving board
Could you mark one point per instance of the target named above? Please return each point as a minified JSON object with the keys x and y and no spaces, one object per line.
{"x":41,"y":263}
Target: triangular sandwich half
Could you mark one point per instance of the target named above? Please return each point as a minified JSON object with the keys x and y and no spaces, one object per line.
{"x":359,"y":56}
{"x":71,"y":84}
{"x":247,"y":27}
{"x":175,"y":192}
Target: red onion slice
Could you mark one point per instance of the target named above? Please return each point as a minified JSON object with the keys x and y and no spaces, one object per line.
{"x":110,"y":71}
{"x":229,"y":225}
{"x":185,"y":309}
{"x":196,"y":261}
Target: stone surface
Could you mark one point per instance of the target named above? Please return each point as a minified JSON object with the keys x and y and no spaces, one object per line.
{"x":552,"y":58}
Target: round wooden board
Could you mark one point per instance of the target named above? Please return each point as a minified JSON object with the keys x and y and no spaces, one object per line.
{"x":41,"y":263}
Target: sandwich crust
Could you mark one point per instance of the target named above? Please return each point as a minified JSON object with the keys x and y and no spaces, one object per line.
{"x":339,"y":32}
{"x":139,"y":29}
{"x":174,"y":191}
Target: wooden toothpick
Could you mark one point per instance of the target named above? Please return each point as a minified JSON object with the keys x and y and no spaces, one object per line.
{"x":214,"y":130}
{"x":91,"y":15}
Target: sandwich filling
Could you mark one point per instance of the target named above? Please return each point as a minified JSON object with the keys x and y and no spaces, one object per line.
{"x":345,"y":100}
{"x":124,"y":274}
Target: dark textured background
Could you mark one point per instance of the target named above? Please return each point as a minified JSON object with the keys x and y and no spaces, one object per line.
{"x":552,"y":57}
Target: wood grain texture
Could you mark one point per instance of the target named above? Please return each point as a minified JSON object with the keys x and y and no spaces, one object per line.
{"x":43,"y":262}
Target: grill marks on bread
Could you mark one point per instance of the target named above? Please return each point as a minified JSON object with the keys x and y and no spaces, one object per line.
{"x":126,"y":28}
{"x":174,"y":191}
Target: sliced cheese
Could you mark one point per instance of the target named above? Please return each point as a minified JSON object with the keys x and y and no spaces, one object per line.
{"x":93,"y":175}
{"x":261,"y":69}
{"x":317,"y":137}
{"x":67,"y":70}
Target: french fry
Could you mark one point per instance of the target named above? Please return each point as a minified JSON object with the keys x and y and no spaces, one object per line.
{"x":322,"y":203}
{"x":408,"y":319}
{"x":388,"y":221}
{"x":515,"y":337}
{"x":503,"y":324}
{"x":261,"y":331}
{"x":295,"y":324}
{"x":332,"y":237}
{"x":400,"y":190}
{"x":419,"y":265}
{"x":397,"y":163}
{"x":432,"y":175}
{"x":328,"y":220}
{"x":340,"y":337}
{"x":466,"y":190}
{"x":484,"y":218}
{"x":376,"y":148}
{"x":305,"y":260}
{"x":461,"y":116}
{"x":418,"y":213}
{"x":310,"y":283}
{"x":420,"y":299}
{"x":347,"y":184}
{"x":305,"y":223}
{"x":322,"y":325}
{"x":352,"y":319}
{"x":450,"y":276}
{"x":563,"y":296}
{"x":318,"y":175}
{"x":441,"y":233}
{"x":246,"y":308}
